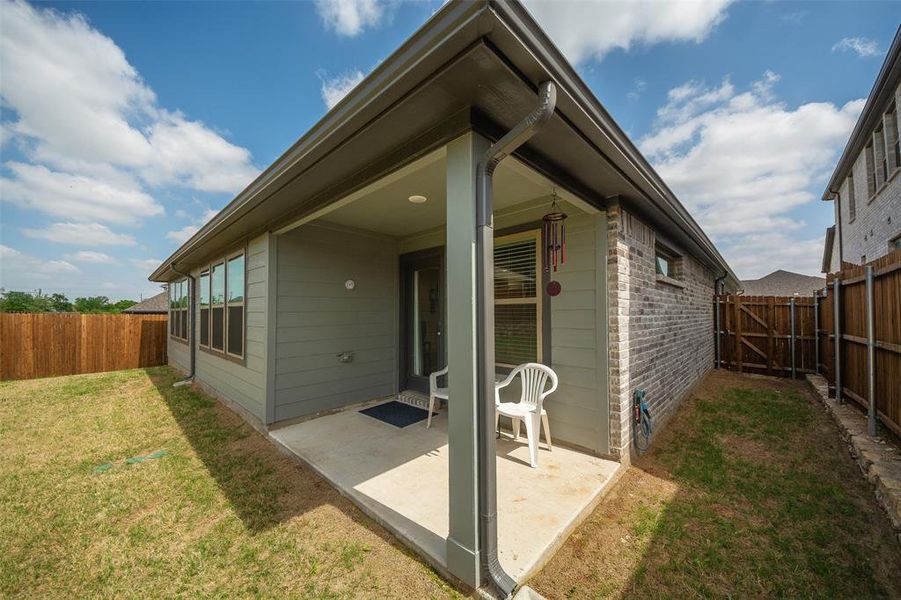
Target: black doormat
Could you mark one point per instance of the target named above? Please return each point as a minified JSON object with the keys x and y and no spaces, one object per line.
{"x":397,"y":413}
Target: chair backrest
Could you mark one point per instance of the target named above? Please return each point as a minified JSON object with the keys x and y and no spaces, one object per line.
{"x":534,"y":378}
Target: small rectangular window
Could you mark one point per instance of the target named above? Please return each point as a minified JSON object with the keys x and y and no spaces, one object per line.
{"x":871,"y":169}
{"x":895,"y":244}
{"x":217,"y":312}
{"x":852,"y":203}
{"x":234,"y":281}
{"x":892,"y":149}
{"x":517,"y":299}
{"x":178,"y":309}
{"x":205,"y":309}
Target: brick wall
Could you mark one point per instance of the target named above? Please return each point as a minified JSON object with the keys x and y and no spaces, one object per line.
{"x":661,"y":335}
{"x":878,"y":217}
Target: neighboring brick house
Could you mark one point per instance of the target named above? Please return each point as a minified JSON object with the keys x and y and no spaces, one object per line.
{"x":865,"y":185}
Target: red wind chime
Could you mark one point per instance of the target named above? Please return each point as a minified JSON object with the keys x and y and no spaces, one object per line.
{"x":554,"y":226}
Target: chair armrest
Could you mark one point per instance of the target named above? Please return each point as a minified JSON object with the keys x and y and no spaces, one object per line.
{"x":433,"y":378}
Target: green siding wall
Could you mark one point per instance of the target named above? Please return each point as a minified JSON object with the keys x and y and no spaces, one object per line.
{"x":317,"y":318}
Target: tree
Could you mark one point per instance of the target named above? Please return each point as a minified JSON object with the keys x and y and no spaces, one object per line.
{"x":59,"y":303}
{"x":19,"y":302}
{"x":92,"y":304}
{"x":122,"y":305}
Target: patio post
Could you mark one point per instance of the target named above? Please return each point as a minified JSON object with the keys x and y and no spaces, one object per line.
{"x":462,"y":431}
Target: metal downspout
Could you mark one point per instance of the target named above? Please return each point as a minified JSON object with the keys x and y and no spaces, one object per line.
{"x":717,"y":284}
{"x":838,"y":223}
{"x":193,"y":348}
{"x":485,"y":394}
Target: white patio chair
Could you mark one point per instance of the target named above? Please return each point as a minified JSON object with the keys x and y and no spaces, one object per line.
{"x":529,"y":409}
{"x":435,"y":392}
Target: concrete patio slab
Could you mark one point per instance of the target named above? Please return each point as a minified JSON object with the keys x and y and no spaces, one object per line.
{"x":400,"y":478}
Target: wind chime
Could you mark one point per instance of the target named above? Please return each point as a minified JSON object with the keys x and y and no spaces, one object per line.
{"x":554,"y":224}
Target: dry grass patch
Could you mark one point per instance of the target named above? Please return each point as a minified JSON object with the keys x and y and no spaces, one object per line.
{"x":749,"y":492}
{"x":221,"y":514}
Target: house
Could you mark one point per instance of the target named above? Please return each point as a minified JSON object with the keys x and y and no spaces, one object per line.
{"x":783,"y":283}
{"x":865,"y":186}
{"x":155,"y":305}
{"x":363,"y":258}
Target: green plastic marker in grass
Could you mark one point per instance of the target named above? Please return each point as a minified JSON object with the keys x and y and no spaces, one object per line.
{"x":130,"y":461}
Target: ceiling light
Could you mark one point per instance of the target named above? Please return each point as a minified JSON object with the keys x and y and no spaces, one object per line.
{"x":416,"y":199}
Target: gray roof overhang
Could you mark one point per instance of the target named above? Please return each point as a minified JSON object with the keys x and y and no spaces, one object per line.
{"x":471,"y":66}
{"x":880,"y":97}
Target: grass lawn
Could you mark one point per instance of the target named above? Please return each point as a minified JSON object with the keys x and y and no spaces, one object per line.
{"x":748,"y":492}
{"x":218,"y":513}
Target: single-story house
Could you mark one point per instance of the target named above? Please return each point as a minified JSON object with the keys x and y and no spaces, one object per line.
{"x":783,"y":283}
{"x":155,"y":305}
{"x":404,"y":233}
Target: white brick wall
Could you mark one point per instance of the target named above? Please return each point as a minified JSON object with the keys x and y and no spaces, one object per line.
{"x":661,"y":336}
{"x":878,"y":218}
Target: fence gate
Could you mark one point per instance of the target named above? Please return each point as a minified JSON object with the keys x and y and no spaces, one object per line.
{"x":769,"y":335}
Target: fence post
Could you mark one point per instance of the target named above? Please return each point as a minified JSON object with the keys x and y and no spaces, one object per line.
{"x":837,"y":339}
{"x":791,"y":304}
{"x":871,"y":354}
{"x":816,"y":332}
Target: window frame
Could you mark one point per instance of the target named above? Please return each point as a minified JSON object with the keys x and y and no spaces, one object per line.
{"x":870,"y":164}
{"x":537,"y":301}
{"x":178,"y":313}
{"x":209,"y":287}
{"x":223,"y":260}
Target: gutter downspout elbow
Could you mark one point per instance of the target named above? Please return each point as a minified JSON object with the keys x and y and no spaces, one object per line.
{"x":192,"y":354}
{"x":485,"y":394}
{"x":838,"y":223}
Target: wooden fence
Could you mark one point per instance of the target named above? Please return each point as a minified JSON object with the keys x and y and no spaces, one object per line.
{"x":52,"y":344}
{"x":861,"y":355}
{"x":755,"y":335}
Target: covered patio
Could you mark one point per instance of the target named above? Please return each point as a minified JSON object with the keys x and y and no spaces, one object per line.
{"x":399,"y":477}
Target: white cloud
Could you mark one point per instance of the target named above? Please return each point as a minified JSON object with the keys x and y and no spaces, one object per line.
{"x":180,"y":236}
{"x":742,"y":161}
{"x":82,"y":234}
{"x":335,"y":88}
{"x":81,"y":111}
{"x":78,"y":197}
{"x":586,"y":30}
{"x":89,"y":256}
{"x":147,"y":265}
{"x":23,"y":271}
{"x":861,"y":46}
{"x":350,"y":17}
{"x":638,"y":88}
{"x":756,"y":255}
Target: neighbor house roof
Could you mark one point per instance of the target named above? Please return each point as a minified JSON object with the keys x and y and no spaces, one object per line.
{"x":783,"y":283}
{"x":154,"y":305}
{"x":880,"y":97}
{"x":472,"y":62}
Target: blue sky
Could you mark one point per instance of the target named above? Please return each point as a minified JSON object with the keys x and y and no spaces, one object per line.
{"x":126,"y":125}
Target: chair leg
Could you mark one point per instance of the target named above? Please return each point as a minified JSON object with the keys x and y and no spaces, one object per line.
{"x":428,"y":422}
{"x":515,"y":422}
{"x":533,"y":432}
{"x":547,"y":432}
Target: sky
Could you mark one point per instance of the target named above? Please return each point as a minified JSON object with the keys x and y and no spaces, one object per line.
{"x":125,"y":126}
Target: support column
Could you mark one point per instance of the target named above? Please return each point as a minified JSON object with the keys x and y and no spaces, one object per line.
{"x":463,"y":537}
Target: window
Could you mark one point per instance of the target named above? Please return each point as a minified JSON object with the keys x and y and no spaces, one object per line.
{"x":891,"y":138}
{"x":222,"y":304}
{"x":665,"y":262}
{"x":852,"y":204}
{"x":178,"y":309}
{"x":895,"y":244}
{"x":205,"y":309}
{"x":217,"y":310}
{"x":517,"y":299}
{"x":871,"y":170}
{"x":234,"y":283}
{"x":881,"y":156}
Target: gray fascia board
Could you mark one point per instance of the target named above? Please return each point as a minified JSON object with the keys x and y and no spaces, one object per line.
{"x":880,"y":96}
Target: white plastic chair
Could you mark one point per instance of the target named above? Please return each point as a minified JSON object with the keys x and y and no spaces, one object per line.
{"x":529,"y":409}
{"x":435,"y":392}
